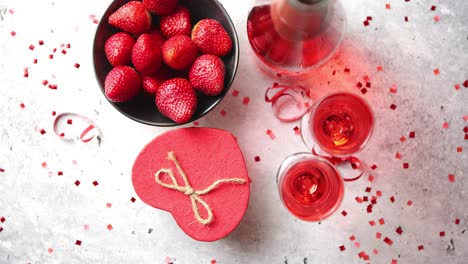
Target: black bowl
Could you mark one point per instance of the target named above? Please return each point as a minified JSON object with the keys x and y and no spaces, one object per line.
{"x":143,"y":108}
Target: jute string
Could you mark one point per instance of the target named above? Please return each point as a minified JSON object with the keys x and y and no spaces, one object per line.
{"x":189,"y":191}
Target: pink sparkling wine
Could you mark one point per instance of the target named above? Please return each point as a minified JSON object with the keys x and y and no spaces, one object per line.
{"x":341,"y":124}
{"x":310,"y":187}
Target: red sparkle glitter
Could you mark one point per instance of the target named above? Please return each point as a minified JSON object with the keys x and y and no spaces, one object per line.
{"x":357,"y":244}
{"x":457,"y":87}
{"x":235,"y":93}
{"x":347,"y":70}
{"x":405,"y":165}
{"x":378,"y":193}
{"x":375,"y":251}
{"x":77,"y":183}
{"x":406,"y":19}
{"x":371,"y":178}
{"x":374,"y":200}
{"x":54,"y":50}
{"x":398,"y":155}
{"x":2,"y":170}
{"x":109,"y":227}
{"x":132,"y":199}
{"x":358,"y":199}
{"x":45,"y":82}
{"x":365,"y":198}
{"x":368,"y":189}
{"x":436,"y":18}
{"x":223,"y":113}
{"x":433,"y":8}
{"x":196,"y":123}
{"x":420,"y":247}
{"x":392,"y":199}
{"x":1,"y":229}
{"x":465,"y":83}
{"x":387,"y":6}
{"x":399,"y":230}
{"x":35,"y":61}
{"x":465,"y":117}
{"x":270,"y":134}
{"x":213,"y":261}
{"x":257,"y":158}
{"x":368,"y":85}
{"x":68,"y":45}
{"x":412,"y":134}
{"x":352,"y":238}
{"x":451,"y":178}
{"x":78,"y":242}
{"x":373,"y":167}
{"x":41,"y":42}
{"x":53,"y":86}
{"x":50,"y":250}
{"x":382,"y":221}
{"x":32,"y":47}
{"x":409,"y":203}
{"x":393,"y":106}
{"x":51,"y":56}
{"x":465,"y":129}
{"x":60,"y":173}
{"x":436,"y":72}
{"x":69,"y":121}
{"x":378,"y":235}
{"x":388,"y":241}
{"x":108,"y":205}
{"x":76,"y":65}
{"x":95,"y":183}
{"x":393,"y":89}
{"x":372,"y":223}
{"x":466,"y":136}
{"x":42,"y":131}
{"x":394,"y":261}
{"x":22,"y":106}
{"x":364,"y":91}
{"x":13,"y":33}
{"x":457,"y":221}
{"x":459,"y":149}
{"x":44,"y":164}
{"x":369,"y":208}
{"x":442,"y":233}
{"x":246,"y":100}
{"x":342,"y":248}
{"x":25,"y":73}
{"x":445,"y":125}
{"x":359,"y":85}
{"x":2,"y":219}
{"x":64,"y":52}
{"x":344,"y":213}
{"x":297,"y":130}
{"x":11,"y":11}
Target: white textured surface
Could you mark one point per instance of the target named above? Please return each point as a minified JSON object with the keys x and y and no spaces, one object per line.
{"x":45,"y":211}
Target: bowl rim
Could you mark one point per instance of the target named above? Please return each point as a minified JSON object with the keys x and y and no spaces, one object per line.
{"x":235,"y":40}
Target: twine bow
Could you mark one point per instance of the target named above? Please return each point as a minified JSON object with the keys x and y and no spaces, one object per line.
{"x":189,"y":191}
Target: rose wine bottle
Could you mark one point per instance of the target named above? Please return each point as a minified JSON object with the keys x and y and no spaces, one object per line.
{"x":310,"y":187}
{"x":294,"y":37}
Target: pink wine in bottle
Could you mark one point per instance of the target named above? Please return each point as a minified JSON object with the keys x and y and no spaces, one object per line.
{"x":310,"y":187}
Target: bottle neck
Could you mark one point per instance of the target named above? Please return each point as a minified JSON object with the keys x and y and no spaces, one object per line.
{"x":300,"y":19}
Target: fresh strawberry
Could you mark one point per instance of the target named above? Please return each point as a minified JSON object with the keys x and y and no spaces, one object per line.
{"x":177,"y":23}
{"x":207,"y":74}
{"x":122,"y":84}
{"x":133,"y":17}
{"x":118,"y":49}
{"x":211,"y":37}
{"x":179,"y":52}
{"x":146,"y":54}
{"x":161,"y":7}
{"x":151,"y":83}
{"x":177,"y":100}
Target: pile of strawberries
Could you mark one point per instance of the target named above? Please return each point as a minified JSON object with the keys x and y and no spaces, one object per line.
{"x":169,"y":60}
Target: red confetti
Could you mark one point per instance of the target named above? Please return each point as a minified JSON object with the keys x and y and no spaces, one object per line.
{"x":465,"y":129}
{"x":11,"y":11}
{"x":51,"y":56}
{"x":108,"y":205}
{"x":368,"y":189}
{"x":196,"y":123}
{"x":2,"y":170}
{"x":394,"y":261}
{"x":451,"y":178}
{"x":132,"y":199}
{"x":398,"y":155}
{"x":420,"y":247}
{"x":378,"y":193}
{"x":399,"y":230}
{"x":342,"y":248}
{"x":2,"y":219}
{"x":359,"y":199}
{"x":442,"y":233}
{"x":369,"y":208}
{"x":433,"y":8}
{"x":393,"y":89}
{"x":357,"y":244}
{"x":387,"y":6}
{"x":465,"y":83}
{"x":368,"y":84}
{"x":445,"y":125}
{"x":270,"y":134}
{"x":352,"y":238}
{"x":246,"y":100}
{"x":44,"y":164}
{"x":223,"y":113}
{"x":213,"y":261}
{"x":44,"y":82}
{"x":457,"y":87}
{"x":69,"y":121}
{"x":406,"y":19}
{"x":375,"y":251}
{"x":64,"y":52}
{"x":1,"y":229}
{"x":235,"y":93}
{"x":409,"y":203}
{"x":22,"y":106}
{"x":53,"y":86}
{"x":257,"y":158}
{"x":42,"y":131}
{"x":77,"y":65}
{"x":297,"y":130}
{"x":382,"y":221}
{"x":77,"y":183}
{"x":388,"y":241}
{"x":32,"y":47}
{"x":78,"y":242}
{"x":13,"y":33}
{"x":436,"y":72}
{"x":371,"y":178}
{"x":95,"y":183}
{"x":393,"y":106}
{"x":365,"y":198}
{"x":465,"y":117}
{"x":405,"y":165}
{"x":457,"y":221}
{"x":347,"y":70}
{"x":109,"y":227}
{"x":412,"y":134}
{"x":436,"y":18}
{"x":35,"y":61}
{"x":68,"y":45}
{"x":60,"y":173}
{"x":372,"y":223}
{"x":379,"y":68}
{"x":392,"y":199}
{"x":373,"y":167}
{"x":459,"y":149}
{"x":25,"y":73}
{"x":50,"y":250}
{"x":378,"y":235}
{"x":364,"y":91}
{"x":344,"y":213}
{"x":41,"y":42}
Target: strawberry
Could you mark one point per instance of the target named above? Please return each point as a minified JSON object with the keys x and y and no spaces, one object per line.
{"x":151,"y":83}
{"x":158,"y":36}
{"x":118,"y":49}
{"x":179,"y":52}
{"x":146,"y":54}
{"x":211,"y":37}
{"x":161,"y":7}
{"x":133,"y":17}
{"x":207,"y":75}
{"x":122,"y":84}
{"x":177,"y":23}
{"x":177,"y":100}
